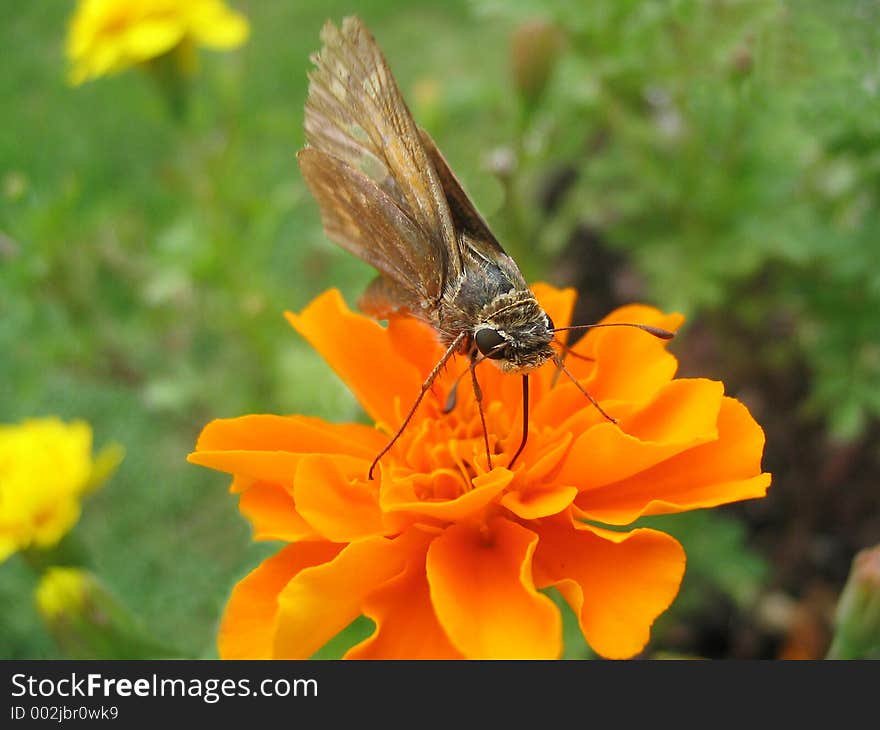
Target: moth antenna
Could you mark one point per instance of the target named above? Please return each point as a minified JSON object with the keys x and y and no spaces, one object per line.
{"x":573,"y":379}
{"x":425,"y":387}
{"x":658,"y":332}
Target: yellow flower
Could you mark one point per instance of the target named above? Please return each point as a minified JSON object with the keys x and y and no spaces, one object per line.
{"x":107,"y":36}
{"x":62,"y":590}
{"x":46,"y":467}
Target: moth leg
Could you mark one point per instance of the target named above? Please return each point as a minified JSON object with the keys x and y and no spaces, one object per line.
{"x":478,"y":396}
{"x":566,"y":351}
{"x":426,"y":386}
{"x":561,"y":365}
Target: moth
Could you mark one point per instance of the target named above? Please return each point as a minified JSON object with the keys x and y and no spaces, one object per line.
{"x":388,"y":196}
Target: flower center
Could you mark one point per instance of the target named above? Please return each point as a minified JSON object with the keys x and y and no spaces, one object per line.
{"x":451,"y":447}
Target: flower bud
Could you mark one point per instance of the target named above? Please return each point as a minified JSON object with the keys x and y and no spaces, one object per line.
{"x":857,"y":620}
{"x":88,"y":622}
{"x":534,"y":50}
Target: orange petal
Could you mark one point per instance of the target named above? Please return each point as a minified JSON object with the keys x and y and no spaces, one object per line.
{"x":268,"y":448}
{"x":616,"y":583}
{"x":296,"y":434}
{"x":361,"y":353}
{"x":530,"y":504}
{"x":322,"y":600}
{"x":272,"y":512}
{"x":565,"y":408}
{"x":541,"y":455}
{"x":557,"y":303}
{"x":505,"y":388}
{"x":415,"y":342}
{"x":269,"y":466}
{"x":248,"y":627}
{"x":482,"y":591}
{"x":401,"y":495}
{"x":721,"y":471}
{"x":679,"y":410}
{"x":406,"y":625}
{"x":683,"y":415}
{"x":532,"y":495}
{"x":629,"y":364}
{"x":334,"y":496}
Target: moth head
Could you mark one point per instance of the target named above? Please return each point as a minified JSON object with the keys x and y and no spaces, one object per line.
{"x":516,"y":345}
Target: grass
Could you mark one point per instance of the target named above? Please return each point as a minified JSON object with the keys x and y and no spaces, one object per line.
{"x":145,"y":267}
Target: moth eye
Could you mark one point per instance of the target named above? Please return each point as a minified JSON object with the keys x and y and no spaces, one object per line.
{"x":487,"y":342}
{"x":550,"y":325}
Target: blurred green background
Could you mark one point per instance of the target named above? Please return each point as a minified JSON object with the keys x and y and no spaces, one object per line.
{"x":716,"y":157}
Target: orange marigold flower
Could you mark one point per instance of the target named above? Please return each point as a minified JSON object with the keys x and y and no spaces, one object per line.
{"x":447,"y":557}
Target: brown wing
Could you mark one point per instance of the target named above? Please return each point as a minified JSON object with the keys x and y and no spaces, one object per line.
{"x":364,"y":220}
{"x":475,"y":240}
{"x":465,"y":217}
{"x":383,"y":298}
{"x":356,"y":114}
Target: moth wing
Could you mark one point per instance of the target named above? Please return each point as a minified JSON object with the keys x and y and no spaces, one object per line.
{"x":365,"y":221}
{"x":465,"y":217}
{"x":385,"y":298}
{"x":475,"y":237}
{"x":356,"y":114}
